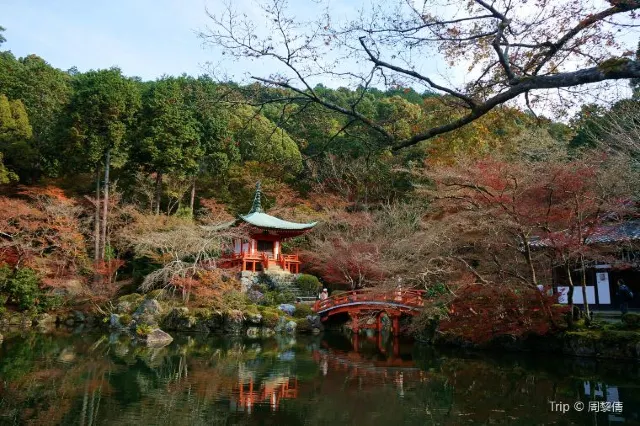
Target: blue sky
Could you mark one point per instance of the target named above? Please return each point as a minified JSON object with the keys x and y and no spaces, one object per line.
{"x":146,"y":38}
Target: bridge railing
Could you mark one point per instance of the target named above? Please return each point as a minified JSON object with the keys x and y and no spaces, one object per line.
{"x":412,"y":298}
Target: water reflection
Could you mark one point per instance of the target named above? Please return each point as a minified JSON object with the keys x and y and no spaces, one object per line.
{"x":90,"y":380}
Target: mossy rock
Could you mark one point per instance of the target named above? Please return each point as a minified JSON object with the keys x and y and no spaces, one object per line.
{"x":631,"y":321}
{"x":303,"y":310}
{"x":270,"y":318}
{"x":133,"y":298}
{"x":303,"y":325}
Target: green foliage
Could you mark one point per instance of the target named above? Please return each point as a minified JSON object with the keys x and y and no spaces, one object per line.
{"x":270,"y":318}
{"x":436,"y":290}
{"x":276,"y":297}
{"x":303,"y":310}
{"x":309,"y":284}
{"x":23,"y":289}
{"x":235,"y":300}
{"x":184,"y":212}
{"x":143,"y":330}
{"x":303,"y":326}
{"x":101,"y":109}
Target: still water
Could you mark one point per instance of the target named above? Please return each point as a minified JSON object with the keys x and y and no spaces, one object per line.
{"x":105,"y":380}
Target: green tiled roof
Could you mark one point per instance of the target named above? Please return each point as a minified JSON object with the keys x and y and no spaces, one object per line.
{"x":263,"y":220}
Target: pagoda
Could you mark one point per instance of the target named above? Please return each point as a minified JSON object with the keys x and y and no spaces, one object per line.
{"x":263,"y":249}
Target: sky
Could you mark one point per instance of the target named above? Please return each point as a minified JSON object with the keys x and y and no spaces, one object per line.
{"x":145,"y":38}
{"x":151,"y":38}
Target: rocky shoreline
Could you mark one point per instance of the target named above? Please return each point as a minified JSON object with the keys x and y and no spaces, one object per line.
{"x":149,"y":320}
{"x":605,"y":344}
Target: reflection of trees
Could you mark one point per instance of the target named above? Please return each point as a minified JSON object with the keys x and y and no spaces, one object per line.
{"x":203,"y":380}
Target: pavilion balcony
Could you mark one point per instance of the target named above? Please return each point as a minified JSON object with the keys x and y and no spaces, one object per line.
{"x":260,"y":261}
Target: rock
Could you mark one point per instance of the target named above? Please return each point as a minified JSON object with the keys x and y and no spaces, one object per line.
{"x":253,"y":318}
{"x":124,"y":307}
{"x":114,"y":321}
{"x":45,"y":319}
{"x":156,"y":338}
{"x":253,"y":332}
{"x":179,"y":320}
{"x":1,"y":338}
{"x":287,"y":309}
{"x":315,"y":330}
{"x":149,"y":307}
{"x":78,"y":316}
{"x":255,"y":296}
{"x":291,"y":327}
{"x":233,"y":322}
{"x":69,"y":322}
{"x":314,"y":321}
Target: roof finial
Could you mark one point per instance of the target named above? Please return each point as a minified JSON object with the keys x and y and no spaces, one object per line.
{"x":257,"y":205}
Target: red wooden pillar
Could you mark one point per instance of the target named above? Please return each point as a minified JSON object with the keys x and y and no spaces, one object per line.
{"x":396,"y":325}
{"x":253,"y":266}
{"x":379,"y":322}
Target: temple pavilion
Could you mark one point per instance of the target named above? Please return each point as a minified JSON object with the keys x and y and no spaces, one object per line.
{"x":263,"y":249}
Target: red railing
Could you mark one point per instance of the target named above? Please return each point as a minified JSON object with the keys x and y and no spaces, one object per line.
{"x":403,"y":298}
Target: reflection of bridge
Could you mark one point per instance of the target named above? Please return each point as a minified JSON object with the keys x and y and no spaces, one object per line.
{"x":271,"y":391}
{"x":361,"y":303}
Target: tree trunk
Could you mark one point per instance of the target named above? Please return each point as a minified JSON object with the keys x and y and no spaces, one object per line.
{"x":583,"y":279}
{"x":158,"y":192}
{"x":105,"y":210}
{"x":570,"y":293}
{"x":193,"y":195}
{"x":96,"y":220}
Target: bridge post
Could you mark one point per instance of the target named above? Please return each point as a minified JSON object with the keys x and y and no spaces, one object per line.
{"x":396,"y":325}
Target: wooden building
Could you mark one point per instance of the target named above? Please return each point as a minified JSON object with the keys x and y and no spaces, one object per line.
{"x":263,"y":249}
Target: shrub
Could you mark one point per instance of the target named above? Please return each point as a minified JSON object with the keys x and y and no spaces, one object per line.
{"x":308,"y":284}
{"x":270,"y":318}
{"x":143,"y":330}
{"x":23,"y":288}
{"x":275,"y":298}
{"x":631,"y":321}
{"x":235,"y":300}
{"x":303,"y":310}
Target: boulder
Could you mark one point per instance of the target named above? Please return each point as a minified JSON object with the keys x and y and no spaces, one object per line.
{"x":124,"y":307}
{"x":156,"y":338}
{"x":78,"y":316}
{"x":255,"y":296}
{"x":253,"y":318}
{"x":233,"y":322}
{"x":149,"y":307}
{"x":179,"y":320}
{"x":45,"y":320}
{"x":287,"y":309}
{"x":290,"y":327}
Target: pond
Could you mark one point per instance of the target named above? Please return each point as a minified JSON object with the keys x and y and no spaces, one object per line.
{"x":86,"y":379}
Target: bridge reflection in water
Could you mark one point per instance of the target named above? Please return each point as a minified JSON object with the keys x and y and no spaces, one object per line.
{"x":374,"y":361}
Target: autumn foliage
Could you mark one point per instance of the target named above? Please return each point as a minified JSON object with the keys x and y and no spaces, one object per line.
{"x":480,"y":313}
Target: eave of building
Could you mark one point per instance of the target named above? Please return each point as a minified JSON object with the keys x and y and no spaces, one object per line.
{"x":264,"y":221}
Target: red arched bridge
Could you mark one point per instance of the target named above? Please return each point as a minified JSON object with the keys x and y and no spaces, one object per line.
{"x":367,"y":303}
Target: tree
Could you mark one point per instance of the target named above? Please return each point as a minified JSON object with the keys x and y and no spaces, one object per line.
{"x":507,"y":47}
{"x":2,"y":38}
{"x":95,"y":133}
{"x":44,"y":91}
{"x":15,"y":136}
{"x":168,"y":140}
